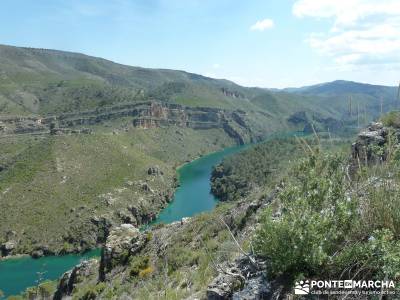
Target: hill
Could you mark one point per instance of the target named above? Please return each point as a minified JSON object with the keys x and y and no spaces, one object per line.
{"x":364,"y":97}
{"x":86,"y":143}
{"x":41,"y":81}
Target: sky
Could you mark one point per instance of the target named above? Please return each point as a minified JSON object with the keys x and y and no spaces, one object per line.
{"x":265,"y":43}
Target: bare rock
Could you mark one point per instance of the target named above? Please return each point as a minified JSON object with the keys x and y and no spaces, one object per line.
{"x":69,"y":279}
{"x":123,"y":241}
{"x":37,"y":253}
{"x":155,"y":171}
{"x":8,"y":247}
{"x":245,"y":278}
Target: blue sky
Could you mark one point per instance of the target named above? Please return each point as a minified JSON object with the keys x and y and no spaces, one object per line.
{"x":267,"y":43}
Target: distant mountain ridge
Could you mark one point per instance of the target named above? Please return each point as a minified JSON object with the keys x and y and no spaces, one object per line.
{"x":44,"y":82}
{"x":341,"y":87}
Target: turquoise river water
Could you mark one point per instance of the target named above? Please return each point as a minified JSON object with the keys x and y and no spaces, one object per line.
{"x":191,"y":197}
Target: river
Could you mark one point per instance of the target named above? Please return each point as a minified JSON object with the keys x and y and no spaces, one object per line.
{"x":16,"y":274}
{"x":191,"y":197}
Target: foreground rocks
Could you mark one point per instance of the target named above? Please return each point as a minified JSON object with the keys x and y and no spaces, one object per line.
{"x":368,"y":141}
{"x":245,"y":278}
{"x":373,"y":145}
{"x":71,"y":278}
{"x":122,"y":242}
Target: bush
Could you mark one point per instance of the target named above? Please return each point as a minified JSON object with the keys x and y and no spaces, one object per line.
{"x":178,"y":257}
{"x":137,"y":264}
{"x":316,"y":217}
{"x":239,"y":174}
{"x":47,"y":288}
{"x":391,"y":119}
{"x":90,"y":292}
{"x":379,"y":257}
{"x":146,"y":272}
{"x":325,"y":226}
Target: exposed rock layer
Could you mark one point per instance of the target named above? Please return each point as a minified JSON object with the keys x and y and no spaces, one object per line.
{"x":144,"y":115}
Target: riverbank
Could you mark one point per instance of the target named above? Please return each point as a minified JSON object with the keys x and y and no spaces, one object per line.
{"x":20,"y":273}
{"x":128,"y":179}
{"x":194,"y":187}
{"x":175,"y":261}
{"x":193,"y":178}
{"x":16,"y":256}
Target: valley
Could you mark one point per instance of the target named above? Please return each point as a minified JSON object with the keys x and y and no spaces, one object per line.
{"x":91,"y":151}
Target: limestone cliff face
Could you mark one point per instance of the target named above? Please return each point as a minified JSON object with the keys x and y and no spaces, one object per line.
{"x":144,"y":115}
{"x":161,"y":114}
{"x":370,"y":146}
{"x":374,"y":145}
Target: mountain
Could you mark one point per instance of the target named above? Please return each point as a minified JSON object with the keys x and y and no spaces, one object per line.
{"x":366,"y":98}
{"x":41,"y":81}
{"x":86,"y":143}
{"x":343,"y":87}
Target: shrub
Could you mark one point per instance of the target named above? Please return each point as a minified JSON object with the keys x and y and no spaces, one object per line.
{"x":178,"y":257}
{"x":47,"y":288}
{"x":378,"y":257}
{"x":137,"y":264}
{"x":316,"y":216}
{"x":90,"y":292}
{"x":146,"y":272}
{"x":391,"y":119}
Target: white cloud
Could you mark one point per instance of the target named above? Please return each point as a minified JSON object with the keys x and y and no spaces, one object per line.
{"x":262,"y":25}
{"x":363,"y":32}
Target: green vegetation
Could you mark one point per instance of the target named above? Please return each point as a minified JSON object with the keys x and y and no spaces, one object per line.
{"x":63,"y":191}
{"x":138,"y":264}
{"x":178,"y":262}
{"x":391,"y":119}
{"x":257,"y":167}
{"x":188,"y":261}
{"x":325,"y":224}
{"x":262,"y":166}
{"x":322,"y":223}
{"x":44,"y":290}
{"x":52,"y":186}
{"x":42,"y":82}
{"x":90,"y":292}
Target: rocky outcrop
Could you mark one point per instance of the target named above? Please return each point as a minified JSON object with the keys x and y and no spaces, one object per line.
{"x":122,"y":242}
{"x":62,"y":131}
{"x":374,"y":145}
{"x":151,"y":114}
{"x":231,"y":94}
{"x":316,"y":122}
{"x":8,"y":247}
{"x":155,"y":171}
{"x":41,"y":251}
{"x":71,"y":278}
{"x":162,"y":114}
{"x":245,"y":278}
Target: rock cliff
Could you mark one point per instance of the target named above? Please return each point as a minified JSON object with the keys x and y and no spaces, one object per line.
{"x":374,"y":145}
{"x":144,"y":115}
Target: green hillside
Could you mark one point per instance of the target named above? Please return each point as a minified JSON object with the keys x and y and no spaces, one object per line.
{"x":43,"y":82}
{"x":365,"y":98}
{"x":61,"y":191}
